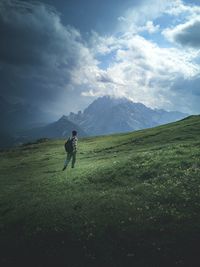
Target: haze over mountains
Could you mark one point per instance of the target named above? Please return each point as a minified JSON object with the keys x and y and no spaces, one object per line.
{"x":59,"y":129}
{"x":19,"y":116}
{"x":106,"y":115}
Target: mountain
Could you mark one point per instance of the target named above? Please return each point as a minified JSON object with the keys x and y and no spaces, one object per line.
{"x":21,"y":123}
{"x":61,"y":128}
{"x":107,"y":115}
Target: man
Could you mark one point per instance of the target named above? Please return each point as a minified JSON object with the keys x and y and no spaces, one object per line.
{"x":71,"y":149}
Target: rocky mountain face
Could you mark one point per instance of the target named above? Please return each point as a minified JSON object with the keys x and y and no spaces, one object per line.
{"x":108,"y":115}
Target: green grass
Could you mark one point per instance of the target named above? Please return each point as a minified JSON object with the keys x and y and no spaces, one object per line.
{"x":132,"y":200}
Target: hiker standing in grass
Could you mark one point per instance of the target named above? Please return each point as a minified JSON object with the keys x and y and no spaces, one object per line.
{"x":71,"y":149}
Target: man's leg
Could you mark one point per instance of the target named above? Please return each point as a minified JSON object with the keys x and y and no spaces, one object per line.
{"x":73,"y":159}
{"x":68,"y":158}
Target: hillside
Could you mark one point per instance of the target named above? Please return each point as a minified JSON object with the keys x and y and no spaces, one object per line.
{"x":132,"y":200}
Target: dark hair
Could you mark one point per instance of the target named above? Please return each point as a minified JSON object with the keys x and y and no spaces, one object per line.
{"x":74,"y":133}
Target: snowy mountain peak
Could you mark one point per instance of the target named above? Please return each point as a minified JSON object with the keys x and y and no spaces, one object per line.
{"x":107,"y":115}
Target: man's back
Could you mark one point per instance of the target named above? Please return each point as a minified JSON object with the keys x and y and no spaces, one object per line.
{"x":74,"y":140}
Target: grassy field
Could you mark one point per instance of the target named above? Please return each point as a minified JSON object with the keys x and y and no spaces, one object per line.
{"x":132,"y":200}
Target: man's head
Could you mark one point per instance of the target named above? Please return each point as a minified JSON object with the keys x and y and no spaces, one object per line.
{"x":74,"y":133}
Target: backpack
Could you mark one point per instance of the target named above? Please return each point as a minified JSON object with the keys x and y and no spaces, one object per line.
{"x":69,"y":146}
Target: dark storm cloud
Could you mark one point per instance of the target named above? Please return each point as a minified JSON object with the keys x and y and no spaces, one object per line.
{"x":26,"y":30}
{"x":87,"y":15}
{"x":189,"y":35}
{"x":37,"y":53}
{"x":188,"y":86}
{"x":39,"y":50}
{"x":188,"y":91}
{"x":104,"y":78}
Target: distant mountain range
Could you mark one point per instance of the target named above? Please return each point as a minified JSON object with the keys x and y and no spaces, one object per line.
{"x":59,"y":129}
{"x":21,"y":123}
{"x":106,"y":115}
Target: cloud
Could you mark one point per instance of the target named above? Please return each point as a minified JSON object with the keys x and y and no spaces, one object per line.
{"x":104,"y":78}
{"x":30,"y":33}
{"x":186,"y":34}
{"x":103,"y":45}
{"x":147,"y":73}
{"x":188,"y":86}
{"x":38,"y":54}
{"x":179,"y":8}
{"x":150,"y":27}
{"x":142,"y":16}
{"x":49,"y":64}
{"x":188,"y":92}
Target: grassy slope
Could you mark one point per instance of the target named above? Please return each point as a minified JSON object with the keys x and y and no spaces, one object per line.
{"x":132,"y":198}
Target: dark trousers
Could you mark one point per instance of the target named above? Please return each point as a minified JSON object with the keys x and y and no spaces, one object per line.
{"x":70,"y":156}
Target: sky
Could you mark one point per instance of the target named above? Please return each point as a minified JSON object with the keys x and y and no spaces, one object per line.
{"x":61,"y":55}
